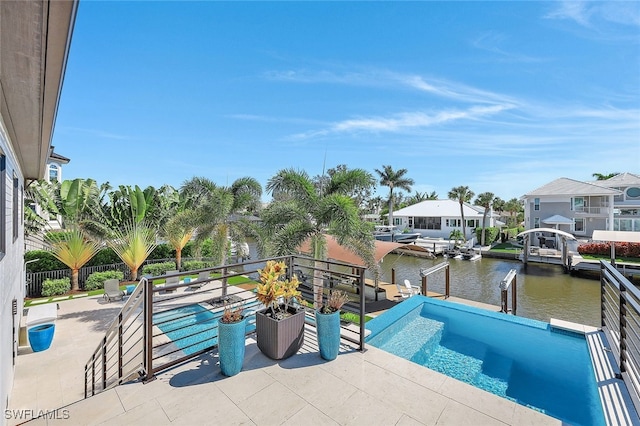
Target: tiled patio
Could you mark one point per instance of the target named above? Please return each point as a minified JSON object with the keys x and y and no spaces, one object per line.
{"x":373,"y":387}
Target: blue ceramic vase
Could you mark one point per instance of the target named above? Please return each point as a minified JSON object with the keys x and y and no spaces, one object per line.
{"x":231,"y":344}
{"x":328,"y":329}
{"x":41,"y":336}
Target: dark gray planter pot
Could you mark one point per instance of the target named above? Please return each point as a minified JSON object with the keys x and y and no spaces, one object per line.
{"x":279,"y":339}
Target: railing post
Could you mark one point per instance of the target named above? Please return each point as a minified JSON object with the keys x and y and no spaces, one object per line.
{"x":104,"y":363}
{"x":148,"y":329}
{"x":362,"y":309}
{"x":446,"y":281}
{"x":603,"y":283}
{"x":93,"y":374}
{"x":424,"y":286}
{"x":393,"y":276}
{"x":224,"y":282}
{"x":120,"y":342}
{"x":623,"y":328}
{"x":513,"y":295}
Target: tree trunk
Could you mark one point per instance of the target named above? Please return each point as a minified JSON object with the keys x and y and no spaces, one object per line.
{"x":464,"y":225}
{"x":178,"y":258}
{"x":484,"y":227}
{"x":134,"y":273}
{"x":74,"y":280}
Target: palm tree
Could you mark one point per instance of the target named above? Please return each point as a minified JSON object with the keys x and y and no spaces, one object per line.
{"x":394,"y":179}
{"x":309,"y":213}
{"x":600,"y":176}
{"x":133,"y":243}
{"x":74,"y":249}
{"x":513,"y":207}
{"x":463,"y":194}
{"x":178,"y":231}
{"x":219,"y":211}
{"x":485,"y":200}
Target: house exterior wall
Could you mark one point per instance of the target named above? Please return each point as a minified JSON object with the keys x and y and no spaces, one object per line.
{"x":11,"y":266}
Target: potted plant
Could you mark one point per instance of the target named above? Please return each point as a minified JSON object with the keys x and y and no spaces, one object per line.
{"x":280,"y":326}
{"x":328,"y":324}
{"x":232,"y":328}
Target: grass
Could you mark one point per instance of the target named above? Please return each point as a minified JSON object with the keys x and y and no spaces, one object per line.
{"x":505,"y":248}
{"x":634,"y":260}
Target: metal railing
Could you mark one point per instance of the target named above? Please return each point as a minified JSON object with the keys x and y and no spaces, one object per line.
{"x":620,"y":320}
{"x":163,"y":325}
{"x":509,"y":282}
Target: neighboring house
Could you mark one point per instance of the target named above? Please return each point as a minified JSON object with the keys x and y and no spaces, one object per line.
{"x":35,"y":38}
{"x":437,"y":218}
{"x":583,"y":207}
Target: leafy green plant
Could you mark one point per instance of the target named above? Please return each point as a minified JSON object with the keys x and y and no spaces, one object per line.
{"x":106,"y":256}
{"x":74,"y":249}
{"x":273,"y":288}
{"x":56,"y":287}
{"x":46,"y":261}
{"x":192,"y":265}
{"x":96,"y":280}
{"x":157,"y":269}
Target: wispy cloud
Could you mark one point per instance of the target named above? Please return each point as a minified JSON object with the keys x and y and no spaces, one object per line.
{"x":389,"y":79}
{"x":404,"y":121}
{"x":590,"y":14}
{"x":271,"y":119}
{"x":493,"y":42}
{"x":96,"y":133}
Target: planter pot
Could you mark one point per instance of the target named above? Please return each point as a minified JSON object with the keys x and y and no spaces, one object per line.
{"x":279,"y":339}
{"x":328,"y":330}
{"x":41,"y":336}
{"x":231,"y":344}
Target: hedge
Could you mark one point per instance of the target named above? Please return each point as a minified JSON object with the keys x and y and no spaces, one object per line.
{"x":192,"y":265}
{"x":96,"y":280}
{"x":604,"y":249}
{"x":56,"y":287}
{"x":47,"y":262}
{"x":157,"y":269}
{"x":491,"y":235}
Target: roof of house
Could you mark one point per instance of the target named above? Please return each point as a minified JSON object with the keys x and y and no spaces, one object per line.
{"x":566,"y":186}
{"x":621,"y":179}
{"x":439,"y":208}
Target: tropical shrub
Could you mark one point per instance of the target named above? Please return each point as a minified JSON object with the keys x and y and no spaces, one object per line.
{"x":157,"y":269}
{"x":106,"y":256}
{"x":192,"y":265}
{"x":604,"y":249}
{"x":162,"y":251}
{"x":96,"y":280}
{"x":491,"y":234}
{"x":47,"y":261}
{"x":56,"y":287}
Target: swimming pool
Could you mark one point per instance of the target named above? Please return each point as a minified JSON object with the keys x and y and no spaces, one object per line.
{"x":516,"y":358}
{"x":192,"y":328}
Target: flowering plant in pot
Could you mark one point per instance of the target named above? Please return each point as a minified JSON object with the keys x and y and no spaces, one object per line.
{"x":280,"y":326}
{"x":232,"y":328}
{"x":328,"y":324}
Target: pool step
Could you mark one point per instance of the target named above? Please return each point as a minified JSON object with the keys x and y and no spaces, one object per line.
{"x":424,"y":334}
{"x":455,"y":364}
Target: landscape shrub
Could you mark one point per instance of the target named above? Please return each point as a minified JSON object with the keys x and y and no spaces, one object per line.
{"x":604,"y":249}
{"x":162,"y":251}
{"x":156,"y":269}
{"x":105,"y":256}
{"x":491,"y":234}
{"x":46,"y":262}
{"x":56,"y":287}
{"x":192,"y":265}
{"x":96,"y":280}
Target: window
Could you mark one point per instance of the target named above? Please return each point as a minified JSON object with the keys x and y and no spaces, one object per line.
{"x":536,"y":222}
{"x":3,"y":211}
{"x":536,"y":203}
{"x":472,"y":223}
{"x":16,"y":207}
{"x":54,"y":173}
{"x":454,"y":223}
{"x":633,"y":193}
{"x":427,"y":223}
{"x":410,"y":221}
{"x":578,"y":225}
{"x":397,"y":221}
{"x":577,"y":204}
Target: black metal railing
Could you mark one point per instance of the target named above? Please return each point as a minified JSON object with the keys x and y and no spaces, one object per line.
{"x":620,"y":316}
{"x":162,"y":325}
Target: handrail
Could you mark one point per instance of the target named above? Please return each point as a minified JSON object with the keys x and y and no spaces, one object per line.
{"x":137,"y":343}
{"x":620,"y":310}
{"x":424,"y":273}
{"x":509,"y":281}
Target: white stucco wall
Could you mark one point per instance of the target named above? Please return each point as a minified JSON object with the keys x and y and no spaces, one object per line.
{"x":11,"y":272}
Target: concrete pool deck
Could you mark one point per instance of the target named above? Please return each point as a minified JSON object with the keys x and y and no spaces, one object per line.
{"x":373,"y":387}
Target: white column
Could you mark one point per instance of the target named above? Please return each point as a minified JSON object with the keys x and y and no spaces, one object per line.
{"x":611,"y":212}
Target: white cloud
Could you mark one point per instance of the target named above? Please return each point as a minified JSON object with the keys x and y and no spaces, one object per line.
{"x":590,"y":13}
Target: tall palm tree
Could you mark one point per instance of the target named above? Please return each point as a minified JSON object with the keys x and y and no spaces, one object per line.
{"x":484,"y":200}
{"x":394,"y":179}
{"x":74,"y":249}
{"x":463,"y":195}
{"x":178,"y":231}
{"x":309,"y":213}
{"x":513,"y":207}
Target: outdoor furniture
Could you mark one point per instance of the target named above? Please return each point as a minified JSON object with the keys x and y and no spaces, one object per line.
{"x":170,"y":281}
{"x":112,"y":290}
{"x":203,"y":278}
{"x":407,"y":290}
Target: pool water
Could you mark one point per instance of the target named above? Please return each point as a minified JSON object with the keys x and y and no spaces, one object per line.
{"x":192,"y":328}
{"x":516,"y":358}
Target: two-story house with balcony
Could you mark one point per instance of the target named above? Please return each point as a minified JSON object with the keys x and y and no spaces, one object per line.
{"x":583,"y":207}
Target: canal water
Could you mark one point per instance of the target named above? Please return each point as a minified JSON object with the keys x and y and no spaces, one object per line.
{"x":543,"y":291}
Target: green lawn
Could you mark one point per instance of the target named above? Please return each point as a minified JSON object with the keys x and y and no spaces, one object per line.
{"x":505,"y":248}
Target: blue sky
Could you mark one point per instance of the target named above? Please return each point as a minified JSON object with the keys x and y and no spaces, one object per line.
{"x":498,"y":96}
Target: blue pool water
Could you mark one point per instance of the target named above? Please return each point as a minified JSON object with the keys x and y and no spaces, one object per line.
{"x":516,"y":358}
{"x":192,"y":328}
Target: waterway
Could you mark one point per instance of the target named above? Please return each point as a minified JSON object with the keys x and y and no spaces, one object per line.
{"x":543,"y":291}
